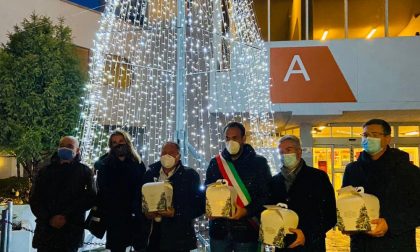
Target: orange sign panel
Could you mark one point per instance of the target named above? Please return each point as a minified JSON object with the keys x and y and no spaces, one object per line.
{"x":305,"y":75}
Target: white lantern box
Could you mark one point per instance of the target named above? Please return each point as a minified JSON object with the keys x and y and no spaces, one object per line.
{"x":356,"y":209}
{"x":275,"y":223}
{"x":156,"y":196}
{"x":220,"y":199}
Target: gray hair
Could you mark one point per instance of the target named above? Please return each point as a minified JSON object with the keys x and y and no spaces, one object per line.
{"x":292,"y":138}
{"x":72,"y":138}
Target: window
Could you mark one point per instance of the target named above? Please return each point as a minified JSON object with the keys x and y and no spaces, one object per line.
{"x":408,"y":131}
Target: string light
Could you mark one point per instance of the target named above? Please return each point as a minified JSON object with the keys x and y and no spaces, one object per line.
{"x":133,"y":73}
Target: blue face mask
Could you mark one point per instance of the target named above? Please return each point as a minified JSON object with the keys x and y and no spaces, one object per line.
{"x":66,"y":153}
{"x":371,"y":145}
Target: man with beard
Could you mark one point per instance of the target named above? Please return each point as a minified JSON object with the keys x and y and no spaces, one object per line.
{"x":240,"y":232}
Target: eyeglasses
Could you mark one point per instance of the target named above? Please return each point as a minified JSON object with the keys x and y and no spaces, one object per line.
{"x":372,"y":134}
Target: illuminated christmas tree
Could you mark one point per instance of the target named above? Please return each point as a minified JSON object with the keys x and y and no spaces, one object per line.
{"x":177,"y":70}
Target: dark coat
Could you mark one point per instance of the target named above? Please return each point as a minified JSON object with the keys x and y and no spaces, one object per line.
{"x":61,"y":189}
{"x":119,"y":184}
{"x":312,"y":197}
{"x":177,"y":233}
{"x":396,"y":183}
{"x":255,"y":174}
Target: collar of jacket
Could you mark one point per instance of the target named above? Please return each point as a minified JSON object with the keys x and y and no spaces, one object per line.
{"x":391,"y":154}
{"x":247,"y":153}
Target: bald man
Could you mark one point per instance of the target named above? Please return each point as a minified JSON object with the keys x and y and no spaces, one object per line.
{"x":61,"y":193}
{"x":173,"y":230}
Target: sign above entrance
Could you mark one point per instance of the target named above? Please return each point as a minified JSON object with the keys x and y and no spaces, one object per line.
{"x":307,"y":75}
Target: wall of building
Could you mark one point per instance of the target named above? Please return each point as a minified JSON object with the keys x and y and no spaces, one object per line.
{"x":84,"y":23}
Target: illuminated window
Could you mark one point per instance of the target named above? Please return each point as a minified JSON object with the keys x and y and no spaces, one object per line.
{"x":321,"y":131}
{"x":408,"y":131}
{"x":295,"y":132}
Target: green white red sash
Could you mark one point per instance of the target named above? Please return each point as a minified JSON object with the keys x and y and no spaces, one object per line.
{"x":228,"y":171}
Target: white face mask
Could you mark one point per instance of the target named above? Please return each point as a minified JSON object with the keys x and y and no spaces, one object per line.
{"x":371,"y":145}
{"x":233,"y":147}
{"x":289,"y":160}
{"x":167,"y":161}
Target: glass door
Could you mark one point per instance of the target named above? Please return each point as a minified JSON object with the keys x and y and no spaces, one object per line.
{"x":333,"y":159}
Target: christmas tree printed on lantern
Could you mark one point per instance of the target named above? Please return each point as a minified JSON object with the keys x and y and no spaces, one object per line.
{"x":162,"y":202}
{"x":279,"y":239}
{"x":227,"y":209}
{"x":340,"y":223}
{"x":144,"y":204}
{"x":208,"y":208}
{"x":363,"y":222}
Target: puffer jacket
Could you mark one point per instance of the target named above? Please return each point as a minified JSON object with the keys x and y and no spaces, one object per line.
{"x":61,"y":189}
{"x":255,"y":174}
{"x":396,"y":183}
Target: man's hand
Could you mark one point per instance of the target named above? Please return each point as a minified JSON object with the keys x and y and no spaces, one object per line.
{"x":170,"y":213}
{"x":240,"y":213}
{"x":380,"y":229}
{"x":151,"y":215}
{"x":58,"y":221}
{"x":300,"y":238}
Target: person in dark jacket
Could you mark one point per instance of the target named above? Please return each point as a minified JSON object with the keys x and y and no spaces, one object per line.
{"x":119,"y":180}
{"x":240,"y":232}
{"x":173,"y":230}
{"x":308,"y":192}
{"x":386,"y":173}
{"x":61,"y":194}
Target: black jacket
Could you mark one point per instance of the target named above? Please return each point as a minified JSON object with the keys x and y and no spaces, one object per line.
{"x":396,"y":182}
{"x":311,"y":196}
{"x":177,"y":233}
{"x":255,"y":174}
{"x":61,"y":189}
{"x":119,"y":184}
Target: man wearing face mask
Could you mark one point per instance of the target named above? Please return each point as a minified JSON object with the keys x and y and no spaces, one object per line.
{"x":173,"y":230}
{"x":120,"y":175}
{"x":61,"y":193}
{"x":240,"y":232}
{"x":308,"y":192}
{"x":386,"y":173}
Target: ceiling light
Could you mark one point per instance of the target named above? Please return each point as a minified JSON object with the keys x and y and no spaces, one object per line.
{"x":411,"y":133}
{"x":324,"y":35}
{"x":371,"y":33}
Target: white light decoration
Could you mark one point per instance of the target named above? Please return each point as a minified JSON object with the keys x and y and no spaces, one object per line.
{"x":177,"y":70}
{"x":133,"y":76}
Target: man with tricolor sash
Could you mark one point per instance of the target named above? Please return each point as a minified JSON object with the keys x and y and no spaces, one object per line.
{"x":249,"y":174}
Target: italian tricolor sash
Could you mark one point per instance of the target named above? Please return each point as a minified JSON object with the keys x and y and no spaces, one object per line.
{"x":228,"y":171}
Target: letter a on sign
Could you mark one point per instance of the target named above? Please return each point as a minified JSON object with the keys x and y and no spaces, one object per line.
{"x":307,"y":75}
{"x":302,"y":69}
